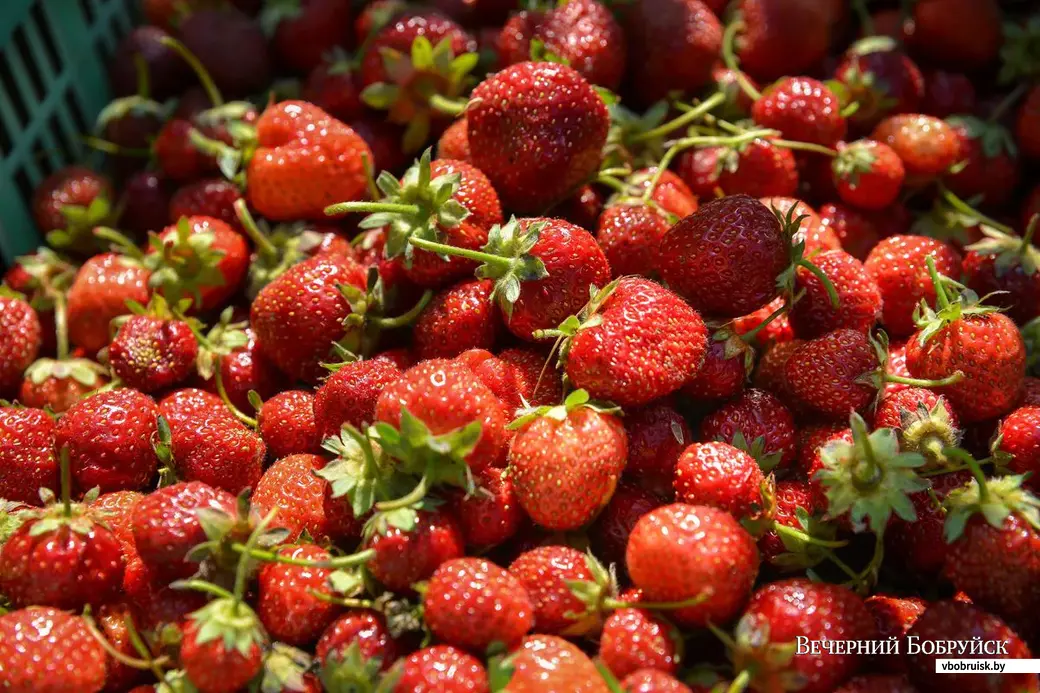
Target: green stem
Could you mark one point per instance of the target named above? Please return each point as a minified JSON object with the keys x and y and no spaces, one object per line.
{"x":808,"y":538}
{"x":722,"y":124}
{"x":610,"y":182}
{"x":475,"y":255}
{"x":688,"y":116}
{"x":940,"y":290}
{"x":1007,"y":102}
{"x":828,"y":285}
{"x":144,"y":86}
{"x":275,"y":557}
{"x":740,"y":683}
{"x":921,"y":382}
{"x":749,"y":336}
{"x":964,"y":208}
{"x":202,"y":586}
{"x":66,"y":481}
{"x":452,"y":107}
{"x":61,"y":325}
{"x":412,"y":497}
{"x":404,"y":319}
{"x":242,"y":570}
{"x":261,"y":241}
{"x":370,"y":208}
{"x":124,"y":244}
{"x":208,"y":85}
{"x":342,"y":601}
{"x":613,"y":604}
{"x":729,"y":57}
{"x":976,"y":471}
{"x":103,"y":145}
{"x":806,"y":147}
{"x":111,"y":651}
{"x":1027,"y":239}
{"x":218,"y":380}
{"x":142,"y":648}
{"x":861,"y":436}
{"x":842,"y":565}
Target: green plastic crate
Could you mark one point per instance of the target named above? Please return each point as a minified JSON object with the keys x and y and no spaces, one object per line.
{"x":53,"y":82}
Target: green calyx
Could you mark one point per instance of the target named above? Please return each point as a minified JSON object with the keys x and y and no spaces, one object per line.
{"x":929,"y":432}
{"x":347,"y":670}
{"x":575,"y":400}
{"x":870,"y":478}
{"x":360,"y":472}
{"x":877,"y":377}
{"x":285,"y":669}
{"x":224,"y":530}
{"x":222,"y":339}
{"x":429,"y":81}
{"x":1010,"y":251}
{"x":853,"y":161}
{"x":80,"y":221}
{"x":63,"y":513}
{"x":277,"y":249}
{"x":965,"y":303}
{"x":995,"y":499}
{"x":50,"y":275}
{"x":230,"y":621}
{"x":84,"y":371}
{"x":365,"y":322}
{"x":437,"y":459}
{"x":594,"y":594}
{"x":786,"y":280}
{"x":994,"y":138}
{"x":807,"y":545}
{"x":509,"y":262}
{"x":277,"y":11}
{"x":12,"y":516}
{"x":767,"y":461}
{"x":1020,"y":53}
{"x":1031,"y":336}
{"x":757,"y":657}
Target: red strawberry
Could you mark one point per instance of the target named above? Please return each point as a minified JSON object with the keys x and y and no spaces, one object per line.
{"x":548,"y":574}
{"x":566,"y":461}
{"x":894,"y":616}
{"x":306,"y":30}
{"x":789,"y":497}
{"x":21,"y":333}
{"x":359,"y":629}
{"x":757,"y":168}
{"x":926,"y":145}
{"x":515,"y":375}
{"x":990,"y":170}
{"x":629,"y":234}
{"x":859,"y":299}
{"x":782,"y":38}
{"x":654,"y":681}
{"x":770,"y":373}
{"x":115,"y":511}
{"x":681,"y":552}
{"x":454,"y":142}
{"x":245,"y":369}
{"x":1019,"y":435}
{"x":460,"y":317}
{"x":291,"y":487}
{"x":58,"y":384}
{"x":109,"y":438}
{"x":298,"y":341}
{"x":857,"y":230}
{"x":114,"y":623}
{"x":817,"y":237}
{"x":633,"y":361}
{"x":404,"y":557}
{"x":881,"y":79}
{"x":657,"y":435}
{"x":230,"y":45}
{"x":636,"y":639}
{"x":349,"y":395}
{"x":211,"y":197}
{"x":154,"y":604}
{"x":69,"y":203}
{"x":287,"y":424}
{"x":99,"y":293}
{"x":177,"y":156}
{"x":780,"y":612}
{"x":925,"y":421}
{"x":286,"y":603}
{"x":586,"y":35}
{"x":442,"y":669}
{"x":226,"y":656}
{"x":492,"y":516}
{"x":778,"y":330}
{"x":802,"y":109}
{"x":45,"y":650}
{"x":725,"y":370}
{"x":471,"y":603}
{"x":305,"y":160}
{"x":877,"y":683}
{"x":965,"y":34}
{"x":948,"y":93}
{"x":1025,"y":124}
{"x":536,"y":130}
{"x":762,"y":420}
{"x":825,"y":372}
{"x":720,"y":476}
{"x":333,"y":86}
{"x":919,"y":545}
{"x":868,"y":174}
{"x":610,"y":532}
{"x":549,"y":663}
{"x":899,"y":268}
{"x":151,"y":352}
{"x":1006,"y":265}
{"x":27,"y":459}
{"x":513,"y":43}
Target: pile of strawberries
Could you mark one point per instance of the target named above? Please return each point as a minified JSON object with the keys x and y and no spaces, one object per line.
{"x":598,"y":346}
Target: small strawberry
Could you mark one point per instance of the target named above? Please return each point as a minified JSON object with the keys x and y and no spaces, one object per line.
{"x":549,"y":573}
{"x":657,"y":435}
{"x":1007,"y":266}
{"x":442,"y":669}
{"x":287,"y":424}
{"x":1018,"y":436}
{"x":691,"y":552}
{"x":406,"y":556}
{"x":924,"y":420}
{"x":153,"y":349}
{"x":778,"y":329}
{"x":857,"y":230}
{"x":550,"y":663}
{"x":612,"y":527}
{"x":927,"y":146}
{"x":460,"y":317}
{"x":45,"y":650}
{"x":868,"y":174}
{"x":566,"y":460}
{"x":518,"y":119}
{"x":881,"y":78}
{"x":759,"y":423}
{"x":27,"y":459}
{"x":303,"y":31}
{"x":114,"y":623}
{"x":245,"y":369}
{"x":289,"y":602}
{"x":493,"y":514}
{"x":210,"y":197}
{"x":69,"y":203}
{"x":817,"y":236}
{"x":349,"y":395}
{"x":291,"y":487}
{"x":721,"y":476}
{"x":724,"y":373}
{"x":859,"y":299}
{"x":629,"y":234}
{"x":802,"y":109}
{"x":636,"y":639}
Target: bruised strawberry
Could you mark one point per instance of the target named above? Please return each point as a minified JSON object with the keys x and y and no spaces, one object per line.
{"x":150,"y":353}
{"x":802,"y":109}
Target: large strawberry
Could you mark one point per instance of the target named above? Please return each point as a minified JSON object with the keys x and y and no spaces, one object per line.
{"x":47,"y":650}
{"x":27,"y":459}
{"x":536,"y":130}
{"x":566,"y":461}
{"x":292,"y":489}
{"x":550,"y":663}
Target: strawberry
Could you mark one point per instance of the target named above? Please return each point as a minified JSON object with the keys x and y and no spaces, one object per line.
{"x":657,"y":435}
{"x":154,"y":604}
{"x":460,"y":317}
{"x":894,"y":616}
{"x":948,"y":93}
{"x":359,"y":631}
{"x":291,"y":487}
{"x":211,"y":197}
{"x":761,"y":421}
{"x":45,"y":650}
{"x":1006,"y":265}
{"x":178,"y":159}
{"x":406,"y":556}
{"x":99,"y":293}
{"x":513,"y":43}
{"x":305,"y":30}
{"x":990,"y":170}
{"x":919,"y":545}
{"x":824,"y":373}
{"x":550,"y":663}
{"x":566,"y":460}
{"x":350,"y":394}
{"x":548,"y":574}
{"x":245,"y":369}
{"x":858,"y":231}
{"x":287,"y":424}
{"x":770,"y":374}
{"x":114,"y":510}
{"x":27,"y":459}
{"x":636,"y":639}
{"x":454,"y":142}
{"x":781,"y":611}
{"x":114,"y":622}
{"x":632,"y":362}
{"x":286,"y":602}
{"x":610,"y":532}
{"x":782,"y":38}
{"x":726,"y":367}
{"x":957,"y":621}
{"x":790,"y":497}
{"x":304,"y":161}
{"x":167,"y":526}
{"x":654,"y":681}
{"x":720,"y":476}
{"x":298,"y":341}
{"x":629,"y":234}
{"x":332,"y":85}
{"x":758,"y":168}
{"x":692,"y":552}
{"x":957,"y":33}
{"x":442,"y":669}
{"x":926,"y":145}
{"x":471,"y":603}
{"x":743,"y":244}
{"x":877,"y":683}
{"x":58,"y":384}
{"x":775,"y":331}
{"x":153,"y":351}
{"x":490,"y":516}
{"x":673,"y":45}
{"x":925,"y":421}
{"x":109,"y":438}
{"x":587,"y":37}
{"x":1025,"y":124}
{"x":69,"y":203}
{"x":802,"y":109}
{"x":21,"y":331}
{"x":881,"y":78}
{"x":1018,"y":438}
{"x":222,"y":646}
{"x":868,"y":174}
{"x":859,"y":298}
{"x":243,"y":69}
{"x":817,"y":237}
{"x":898,"y":266}
{"x":536,"y":130}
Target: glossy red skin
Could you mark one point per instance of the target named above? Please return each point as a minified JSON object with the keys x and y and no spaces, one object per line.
{"x":636,"y":639}
{"x":515,"y":375}
{"x":75,"y":186}
{"x":920,"y":546}
{"x":489,"y":521}
{"x":927,"y":146}
{"x":899,"y":268}
{"x":166,"y":527}
{"x":333,"y":87}
{"x":725,"y":258}
{"x":823,"y":373}
{"x":99,"y":293}
{"x":811,"y":440}
{"x":877,"y":188}
{"x":721,"y":476}
{"x":442,"y":669}
{"x":802,"y":109}
{"x":471,"y":602}
{"x":1021,"y":299}
{"x":629,"y":235}
{"x":992,"y":177}
{"x":654,"y":681}
{"x":112,"y":623}
{"x":988,"y":349}
{"x":27,"y":459}
{"x":677,"y":551}
{"x":657,"y":435}
{"x":305,"y":161}
{"x":81,"y":568}
{"x":782,"y":38}
{"x":109,"y":437}
{"x":321,"y":25}
{"x":565,"y":471}
{"x":153,"y":603}
{"x":286,"y":605}
{"x":610,"y":532}
{"x":454,"y":142}
{"x":212,"y":197}
{"x":883,"y":82}
{"x":859,"y":299}
{"x":896,"y":366}
{"x":550,"y":663}
{"x":1020,"y":437}
{"x":648,"y":344}
{"x":858,"y":230}
{"x":574,"y":261}
{"x":587,"y":35}
{"x":233,"y":264}
{"x":513,"y":44}
{"x":115,"y":510}
{"x":770,"y":372}
{"x":47,"y":650}
{"x":461,"y":317}
{"x":178,"y":159}
{"x":951,"y":620}
{"x":536,"y":130}
{"x":889,"y":410}
{"x":215,"y":668}
{"x":291,"y":486}
{"x":797,"y":607}
{"x":56,"y":393}
{"x":150,"y":354}
{"x":349,"y":395}
{"x":20,"y":340}
{"x":790,"y":496}
{"x":670,"y":193}
{"x":756,"y":413}
{"x":364,"y":627}
{"x":959,"y":34}
{"x":722,"y":375}
{"x":763,"y":170}
{"x":287,"y":424}
{"x":295,"y":340}
{"x":673,"y":46}
{"x":779,"y":330}
{"x":1025,"y":124}
{"x":894,"y":616}
{"x":399,"y":34}
{"x":544,"y":572}
{"x":404,"y":558}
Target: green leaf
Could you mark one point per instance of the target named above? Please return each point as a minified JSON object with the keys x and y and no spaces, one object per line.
{"x":380,"y":96}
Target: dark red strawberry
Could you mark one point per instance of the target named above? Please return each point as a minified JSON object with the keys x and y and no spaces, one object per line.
{"x":790,"y":497}
{"x":44,"y":649}
{"x":98,"y":294}
{"x":919,"y":545}
{"x":868,"y":174}
{"x":629,"y":234}
{"x":636,"y":639}
{"x":70,"y":202}
{"x":1006,"y":265}
{"x":614,"y":524}
{"x":782,"y":38}
{"x":306,"y":30}
{"x":948,"y":93}
{"x":802,"y":109}
{"x":1025,"y":124}
{"x":442,"y":668}
{"x":657,"y":435}
{"x":212,"y":197}
{"x":859,"y":299}
{"x":404,"y":557}
{"x":720,"y":476}
{"x":824,"y":373}
{"x":926,"y":145}
{"x":332,"y":86}
{"x":493,"y":514}
{"x":964,"y":34}
{"x":245,"y":369}
{"x":291,"y":487}
{"x":759,"y":419}
{"x":286,"y":602}
{"x":153,"y":602}
{"x":231,"y":46}
{"x":726,"y":367}
{"x":894,"y":616}
{"x":287,"y":424}
{"x":349,"y":395}
{"x":858,"y":231}
{"x":363,"y":631}
{"x":811,"y":230}
{"x":513,"y":43}
{"x":988,"y":165}
{"x":461,"y":317}
{"x":881,"y":78}
{"x":587,"y":37}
